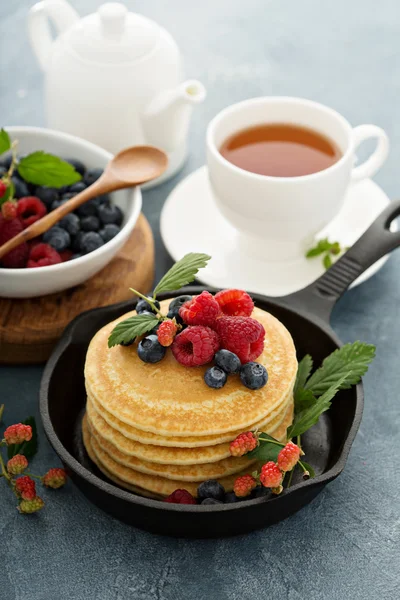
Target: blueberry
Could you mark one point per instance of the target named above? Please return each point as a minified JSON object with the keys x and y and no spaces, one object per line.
{"x":67,"y":196}
{"x":129,"y":343}
{"x":90,"y":241}
{"x":57,"y":203}
{"x":176,"y":303}
{"x":76,"y":255}
{"x":90,"y":223}
{"x":261,"y":492}
{"x":109,"y":213}
{"x":76,"y":242}
{"x":211,"y":501}
{"x":253,"y":375}
{"x":77,"y":164}
{"x":227,"y":361}
{"x":70,"y":223}
{"x":210,"y":489}
{"x":92,"y":175}
{"x":47,"y":195}
{"x":174,"y":314}
{"x":76,"y":188}
{"x":88,"y":209}
{"x":150,"y":349}
{"x":21,"y":188}
{"x":109,"y":232}
{"x":155,"y":329}
{"x":231,"y":498}
{"x":215,"y":377}
{"x":103,"y":199}
{"x":6,"y":162}
{"x":3,"y":171}
{"x":143,"y":306}
{"x":58,"y":238}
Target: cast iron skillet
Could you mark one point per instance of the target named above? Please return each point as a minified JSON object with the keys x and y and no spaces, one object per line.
{"x":306,"y":314}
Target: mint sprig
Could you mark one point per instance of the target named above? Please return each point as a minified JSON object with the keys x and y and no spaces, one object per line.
{"x":5,"y":142}
{"x":131,"y":328}
{"x":182,"y":273}
{"x":327,"y":249}
{"x":41,"y":168}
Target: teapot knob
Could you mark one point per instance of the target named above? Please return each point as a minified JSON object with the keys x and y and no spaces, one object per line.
{"x":113,"y":16}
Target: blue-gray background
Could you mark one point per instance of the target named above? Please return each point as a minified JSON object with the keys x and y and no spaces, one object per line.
{"x":345,"y":545}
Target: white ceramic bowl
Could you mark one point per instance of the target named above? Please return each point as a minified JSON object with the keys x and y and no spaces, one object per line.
{"x":29,"y":283}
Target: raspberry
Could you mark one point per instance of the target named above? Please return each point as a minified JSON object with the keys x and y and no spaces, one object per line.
{"x":66,"y":255}
{"x":17,"y":464}
{"x":195,"y":346}
{"x":235,"y":303}
{"x":55,"y":478}
{"x":43,"y":255}
{"x":9,"y":210}
{"x":25,"y":487}
{"x":288,"y":457}
{"x":16,"y":259}
{"x":201,"y":310}
{"x":245,"y":442}
{"x":242,"y":335}
{"x":271,"y":475}
{"x":18,"y":433}
{"x":3,"y":188}
{"x":244,"y":485}
{"x":180,"y":497}
{"x":30,"y":209}
{"x":167,"y":332}
{"x":28,"y":507}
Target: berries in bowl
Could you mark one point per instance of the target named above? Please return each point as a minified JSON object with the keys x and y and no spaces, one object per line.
{"x":83,"y":242}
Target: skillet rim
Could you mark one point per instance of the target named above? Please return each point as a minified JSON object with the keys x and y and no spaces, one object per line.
{"x":68,"y":459}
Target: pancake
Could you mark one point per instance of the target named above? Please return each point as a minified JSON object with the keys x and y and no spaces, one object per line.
{"x":152,"y":484}
{"x":166,"y":455}
{"x":169,"y":399}
{"x":146,"y":437}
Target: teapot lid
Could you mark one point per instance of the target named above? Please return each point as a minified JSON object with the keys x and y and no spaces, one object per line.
{"x":113,"y":35}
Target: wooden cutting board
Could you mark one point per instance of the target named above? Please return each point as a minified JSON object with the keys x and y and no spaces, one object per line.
{"x":29,"y":329}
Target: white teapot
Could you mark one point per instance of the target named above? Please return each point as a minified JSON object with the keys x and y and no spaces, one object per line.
{"x":114,"y":78}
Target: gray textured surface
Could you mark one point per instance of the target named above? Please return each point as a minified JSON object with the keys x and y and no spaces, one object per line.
{"x":346,"y":544}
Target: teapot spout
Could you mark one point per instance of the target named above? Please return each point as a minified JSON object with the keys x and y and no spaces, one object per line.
{"x":166,"y":120}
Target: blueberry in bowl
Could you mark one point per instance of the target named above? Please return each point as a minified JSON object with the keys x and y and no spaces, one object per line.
{"x":111,"y":233}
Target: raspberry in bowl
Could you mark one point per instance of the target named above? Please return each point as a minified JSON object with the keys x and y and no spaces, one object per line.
{"x":78,"y":248}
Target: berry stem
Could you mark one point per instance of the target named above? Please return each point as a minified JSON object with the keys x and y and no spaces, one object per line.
{"x":32,"y":475}
{"x":298,"y":440}
{"x":306,"y":473}
{"x":290,"y":478}
{"x":271,"y":441}
{"x":1,"y":411}
{"x":149,"y":300}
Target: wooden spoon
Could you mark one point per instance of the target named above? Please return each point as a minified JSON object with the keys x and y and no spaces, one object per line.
{"x":128,"y":168}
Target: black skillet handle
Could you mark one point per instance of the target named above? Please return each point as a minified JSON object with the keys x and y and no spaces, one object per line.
{"x":320,"y":297}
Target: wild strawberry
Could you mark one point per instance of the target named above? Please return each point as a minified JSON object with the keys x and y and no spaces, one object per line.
{"x":288,"y":457}
{"x":17,"y":464}
{"x":244,"y":485}
{"x":243,"y":443}
{"x":28,"y":507}
{"x":25,"y":487}
{"x":242,"y":335}
{"x":235,"y":303}
{"x":167,"y":332}
{"x":18,"y":433}
{"x":3,"y":188}
{"x":271,"y":476}
{"x":201,"y":310}
{"x":54,"y":478}
{"x":180,"y":497}
{"x":9,"y":210}
{"x":195,"y":346}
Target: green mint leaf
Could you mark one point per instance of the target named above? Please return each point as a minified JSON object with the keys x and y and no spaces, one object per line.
{"x":5,"y":142}
{"x":265,"y":451}
{"x":320,"y":247}
{"x":303,"y":399}
{"x":309,"y":469}
{"x":131,"y":328}
{"x":335,"y":248}
{"x":306,"y":418}
{"x":41,"y":168}
{"x":182,"y":273}
{"x":327,"y":261}
{"x":303,"y":373}
{"x":28,"y":449}
{"x":352,"y":359}
{"x":9,"y":193}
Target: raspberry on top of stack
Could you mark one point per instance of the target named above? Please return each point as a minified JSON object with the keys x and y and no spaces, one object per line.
{"x":162,"y":411}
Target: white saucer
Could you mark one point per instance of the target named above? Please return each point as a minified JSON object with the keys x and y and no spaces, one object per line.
{"x":191,"y":222}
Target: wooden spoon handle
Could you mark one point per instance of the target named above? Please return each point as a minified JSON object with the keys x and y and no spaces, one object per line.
{"x":103,"y":185}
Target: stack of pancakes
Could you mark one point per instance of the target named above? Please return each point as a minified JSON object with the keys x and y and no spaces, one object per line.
{"x":154,"y":428}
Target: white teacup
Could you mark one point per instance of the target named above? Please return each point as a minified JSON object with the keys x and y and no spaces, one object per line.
{"x":278,"y":216}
